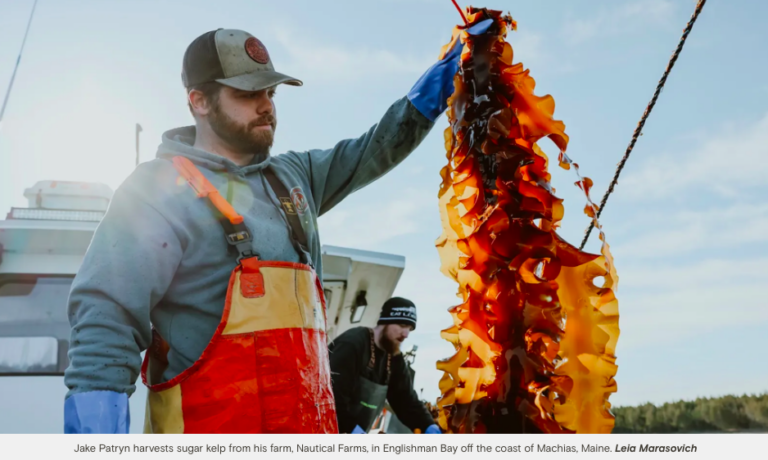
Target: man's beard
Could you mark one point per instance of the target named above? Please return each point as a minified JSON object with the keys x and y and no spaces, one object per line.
{"x":243,"y":138}
{"x":390,"y":346}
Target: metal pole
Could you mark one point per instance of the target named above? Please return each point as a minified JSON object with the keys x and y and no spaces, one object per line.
{"x":138,"y":130}
{"x":18,"y":60}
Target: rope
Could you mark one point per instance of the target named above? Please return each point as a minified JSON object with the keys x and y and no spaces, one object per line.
{"x":18,"y":61}
{"x":647,"y":112}
{"x":461,"y":12}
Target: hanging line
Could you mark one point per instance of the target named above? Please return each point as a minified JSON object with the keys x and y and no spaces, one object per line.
{"x":647,"y":112}
{"x":461,"y":12}
{"x":18,"y":61}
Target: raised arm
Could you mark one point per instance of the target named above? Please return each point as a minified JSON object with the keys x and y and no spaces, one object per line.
{"x":354,"y":163}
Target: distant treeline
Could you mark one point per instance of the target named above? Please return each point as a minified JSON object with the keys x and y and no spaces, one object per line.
{"x":728,"y":413}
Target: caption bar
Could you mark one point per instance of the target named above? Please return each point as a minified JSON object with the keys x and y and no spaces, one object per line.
{"x":742,"y":446}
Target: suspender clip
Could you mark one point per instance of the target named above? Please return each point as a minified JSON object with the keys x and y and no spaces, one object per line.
{"x":241,"y":239}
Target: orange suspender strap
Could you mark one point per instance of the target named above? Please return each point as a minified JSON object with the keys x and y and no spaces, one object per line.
{"x":205,"y":189}
{"x":236,"y":232}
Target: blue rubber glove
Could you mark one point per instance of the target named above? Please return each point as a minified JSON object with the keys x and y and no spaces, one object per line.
{"x":430,"y":94}
{"x":103,"y":412}
{"x":433,"y":429}
{"x":358,"y":430}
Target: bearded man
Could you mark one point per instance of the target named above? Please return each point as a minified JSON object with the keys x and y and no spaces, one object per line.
{"x":368,"y":369}
{"x":219,"y":283}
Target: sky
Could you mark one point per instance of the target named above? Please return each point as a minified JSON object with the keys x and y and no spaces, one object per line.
{"x":687,"y":224}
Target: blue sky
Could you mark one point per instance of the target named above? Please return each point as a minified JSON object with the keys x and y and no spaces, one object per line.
{"x":688,"y":223}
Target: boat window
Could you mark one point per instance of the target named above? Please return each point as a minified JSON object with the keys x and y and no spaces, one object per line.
{"x":34,"y":329}
{"x":28,"y":355}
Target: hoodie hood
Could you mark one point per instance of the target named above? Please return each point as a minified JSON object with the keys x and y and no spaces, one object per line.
{"x":180,"y":141}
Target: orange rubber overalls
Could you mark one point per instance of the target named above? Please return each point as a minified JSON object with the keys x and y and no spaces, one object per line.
{"x":266,"y":369}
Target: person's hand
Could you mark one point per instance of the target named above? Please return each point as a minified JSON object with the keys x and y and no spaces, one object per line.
{"x":97,"y":412}
{"x":480,"y":27}
{"x":433,"y":429}
{"x":358,"y":430}
{"x":430,"y":93}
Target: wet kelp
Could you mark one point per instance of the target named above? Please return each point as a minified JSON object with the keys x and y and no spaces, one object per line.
{"x":536,"y":330}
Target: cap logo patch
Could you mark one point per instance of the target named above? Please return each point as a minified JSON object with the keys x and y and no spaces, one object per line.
{"x":256,"y":50}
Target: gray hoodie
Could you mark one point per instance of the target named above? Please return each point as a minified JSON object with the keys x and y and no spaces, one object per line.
{"x":159,"y":256}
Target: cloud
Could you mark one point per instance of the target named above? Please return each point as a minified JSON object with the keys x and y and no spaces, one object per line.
{"x":734,"y":158}
{"x":684,"y":232}
{"x":690,"y":311}
{"x":704,"y":273}
{"x":619,"y":19}
{"x":694,"y":267}
{"x":704,"y":199}
{"x":371,"y":224}
{"x":328,"y":61}
{"x":335,"y":62}
{"x":690,"y":299}
{"x":530,"y":50}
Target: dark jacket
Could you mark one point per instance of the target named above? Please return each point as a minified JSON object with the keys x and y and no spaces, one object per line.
{"x":350,"y":353}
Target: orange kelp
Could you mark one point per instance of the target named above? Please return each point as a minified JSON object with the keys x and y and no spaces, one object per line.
{"x":536,"y":331}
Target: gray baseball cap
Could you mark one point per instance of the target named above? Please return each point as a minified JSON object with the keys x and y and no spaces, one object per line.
{"x":231,"y":57}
